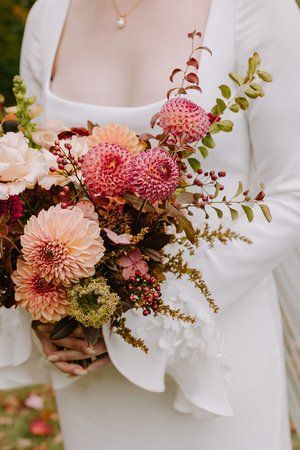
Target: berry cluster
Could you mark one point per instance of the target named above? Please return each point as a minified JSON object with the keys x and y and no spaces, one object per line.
{"x":68,"y":165}
{"x":205,"y":181}
{"x":145,"y":292}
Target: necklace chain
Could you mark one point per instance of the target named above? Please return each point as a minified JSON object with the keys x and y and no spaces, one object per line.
{"x":121,"y":19}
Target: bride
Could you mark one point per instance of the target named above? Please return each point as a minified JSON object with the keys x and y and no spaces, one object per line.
{"x":109,"y":61}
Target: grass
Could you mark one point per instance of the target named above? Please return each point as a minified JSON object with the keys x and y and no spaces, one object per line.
{"x":29,"y":420}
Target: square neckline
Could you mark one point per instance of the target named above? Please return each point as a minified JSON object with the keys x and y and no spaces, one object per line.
{"x":60,"y":99}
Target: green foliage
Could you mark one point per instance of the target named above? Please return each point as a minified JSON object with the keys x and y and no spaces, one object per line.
{"x":12,"y":20}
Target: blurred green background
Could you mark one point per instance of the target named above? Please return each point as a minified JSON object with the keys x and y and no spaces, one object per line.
{"x":12,"y":20}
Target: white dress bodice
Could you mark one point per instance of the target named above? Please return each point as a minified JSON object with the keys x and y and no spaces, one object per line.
{"x":262,"y":148}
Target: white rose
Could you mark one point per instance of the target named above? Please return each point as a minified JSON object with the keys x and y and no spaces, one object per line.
{"x":79,"y":148}
{"x":20,"y":165}
{"x":46,"y":133}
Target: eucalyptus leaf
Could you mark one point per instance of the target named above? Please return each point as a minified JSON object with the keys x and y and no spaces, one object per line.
{"x":194,"y":163}
{"x":266,"y":212}
{"x":239,"y":190}
{"x":235,"y":108}
{"x":226,"y":125}
{"x":203,"y":150}
{"x":234,"y":213}
{"x":242,"y":102}
{"x":265,"y":76}
{"x":236,"y":78}
{"x":249,"y":212}
{"x":221,"y":105}
{"x":219,"y":212}
{"x":208,"y":141}
{"x":225,"y":90}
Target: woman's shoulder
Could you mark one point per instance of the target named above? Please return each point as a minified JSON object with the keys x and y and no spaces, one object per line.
{"x":41,"y":8}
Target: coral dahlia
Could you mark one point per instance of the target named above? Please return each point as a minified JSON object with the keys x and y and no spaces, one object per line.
{"x":154,"y":174}
{"x":44,"y":300}
{"x":184,"y":120}
{"x":115,"y":134}
{"x":61,"y":245}
{"x":105,"y":170}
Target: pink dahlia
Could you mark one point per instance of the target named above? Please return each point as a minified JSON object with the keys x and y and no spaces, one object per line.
{"x":44,"y":300}
{"x":62,"y":245}
{"x":154,"y":174}
{"x":12,"y":206}
{"x":184,"y":120}
{"x":132,"y":263}
{"x":105,"y":170}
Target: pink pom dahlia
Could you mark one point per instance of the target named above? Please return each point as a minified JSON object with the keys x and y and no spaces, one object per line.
{"x":184,"y":120}
{"x":105,"y":170}
{"x":45,"y":300}
{"x":61,"y":245}
{"x":154,"y":174}
{"x":12,"y":206}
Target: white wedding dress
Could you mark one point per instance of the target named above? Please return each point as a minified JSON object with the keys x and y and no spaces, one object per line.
{"x":225,"y":387}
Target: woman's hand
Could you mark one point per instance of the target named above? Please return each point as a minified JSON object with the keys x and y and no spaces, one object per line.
{"x":74,"y":349}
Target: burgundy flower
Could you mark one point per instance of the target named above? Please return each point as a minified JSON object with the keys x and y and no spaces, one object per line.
{"x":12,"y":206}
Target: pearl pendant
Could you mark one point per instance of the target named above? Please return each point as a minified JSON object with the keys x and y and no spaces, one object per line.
{"x":121,"y":22}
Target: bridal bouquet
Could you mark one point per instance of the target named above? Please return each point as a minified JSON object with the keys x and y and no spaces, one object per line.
{"x":88,"y":215}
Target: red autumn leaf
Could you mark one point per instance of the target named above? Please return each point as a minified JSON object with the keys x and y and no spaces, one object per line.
{"x":192,"y":35}
{"x":39,"y":427}
{"x":201,"y":47}
{"x":175,"y":71}
{"x":154,"y":119}
{"x":170,"y":92}
{"x":192,"y":78}
{"x":197,"y":88}
{"x":193,"y":62}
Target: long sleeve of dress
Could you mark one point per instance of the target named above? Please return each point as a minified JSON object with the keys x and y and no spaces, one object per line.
{"x":19,"y":355}
{"x":271,"y":27}
{"x":31,"y":55}
{"x":231,"y":272}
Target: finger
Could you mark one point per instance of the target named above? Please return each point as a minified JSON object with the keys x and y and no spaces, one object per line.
{"x":70,"y":369}
{"x":100,"y":348}
{"x":44,"y":328}
{"x":67,"y":355}
{"x":75,"y":344}
{"x":47,"y":344}
{"x":99,"y":364}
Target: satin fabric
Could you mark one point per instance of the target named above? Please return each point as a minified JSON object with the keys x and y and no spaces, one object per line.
{"x":262,"y":147}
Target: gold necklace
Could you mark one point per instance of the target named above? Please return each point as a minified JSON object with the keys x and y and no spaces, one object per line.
{"x":121,"y":17}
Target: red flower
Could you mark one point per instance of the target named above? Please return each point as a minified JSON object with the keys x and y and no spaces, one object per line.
{"x":133,"y":263}
{"x":12,"y":206}
{"x":39,"y":427}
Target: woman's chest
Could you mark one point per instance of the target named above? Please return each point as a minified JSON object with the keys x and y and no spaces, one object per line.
{"x":98,"y":63}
